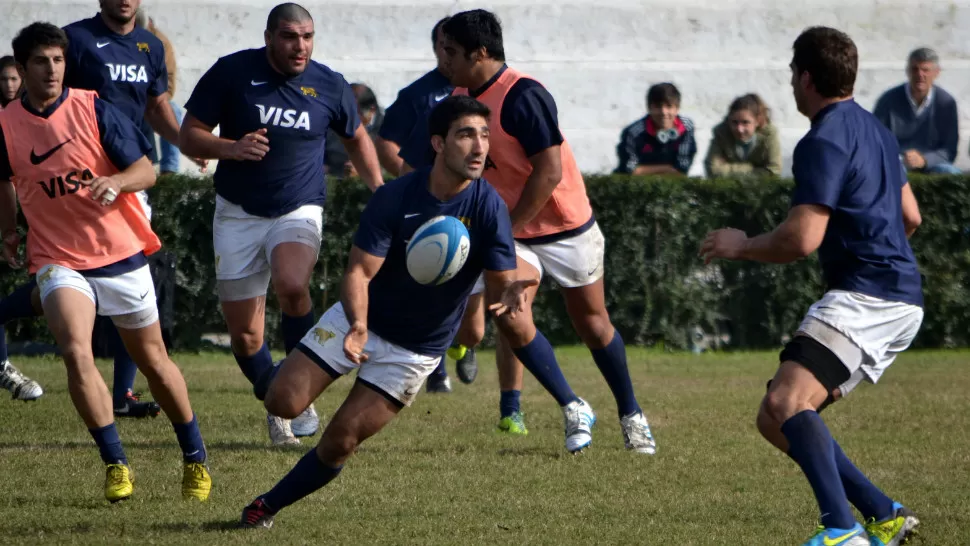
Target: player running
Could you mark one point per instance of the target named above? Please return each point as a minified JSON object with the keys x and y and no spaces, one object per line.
{"x":853,"y":204}
{"x":75,"y":162}
{"x":273,"y":106}
{"x":403,"y":147}
{"x":533,"y":168}
{"x":388,"y":327}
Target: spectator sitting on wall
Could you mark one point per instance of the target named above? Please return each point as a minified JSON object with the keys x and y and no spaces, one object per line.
{"x":662,"y":142}
{"x":745,"y":142}
{"x":11,"y":81}
{"x":922,"y":116}
{"x":336,"y":160}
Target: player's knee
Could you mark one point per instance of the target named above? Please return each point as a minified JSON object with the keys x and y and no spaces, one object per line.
{"x":280,"y":402}
{"x":293,"y":295}
{"x":337,"y":444}
{"x":78,"y":357}
{"x":519,"y":331}
{"x":779,"y":405}
{"x":471,"y":334}
{"x":767,"y":425}
{"x":247,"y":342}
{"x":595,"y":330}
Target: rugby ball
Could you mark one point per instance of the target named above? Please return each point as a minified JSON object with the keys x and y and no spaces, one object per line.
{"x":437,"y":250}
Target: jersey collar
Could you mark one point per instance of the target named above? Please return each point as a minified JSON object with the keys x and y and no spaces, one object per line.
{"x":50,"y":109}
{"x":821,"y":114}
{"x":104,"y":28}
{"x":477,"y":92}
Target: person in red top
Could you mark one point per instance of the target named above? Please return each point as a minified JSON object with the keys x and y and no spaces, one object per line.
{"x":75,"y":163}
{"x":532,"y":167}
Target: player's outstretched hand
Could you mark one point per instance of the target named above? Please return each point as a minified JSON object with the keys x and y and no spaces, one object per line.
{"x":251,"y":147}
{"x":104,"y":189}
{"x":354,"y":343}
{"x":514,"y":298}
{"x":724,"y":243}
{"x":11,"y":243}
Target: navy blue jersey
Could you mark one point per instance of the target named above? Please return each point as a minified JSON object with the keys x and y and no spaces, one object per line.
{"x":406,"y":120}
{"x":242,"y":93}
{"x":424,"y":319}
{"x":849,"y":163}
{"x":123,"y":70}
{"x":121,"y":140}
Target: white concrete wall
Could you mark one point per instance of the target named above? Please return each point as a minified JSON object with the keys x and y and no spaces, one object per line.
{"x":597,"y":57}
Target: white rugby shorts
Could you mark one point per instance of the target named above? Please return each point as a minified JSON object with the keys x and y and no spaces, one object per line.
{"x":394,"y":370}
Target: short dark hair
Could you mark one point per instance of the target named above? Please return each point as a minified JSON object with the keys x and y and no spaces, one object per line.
{"x":365,"y":96}
{"x":7,"y":61}
{"x":475,"y":29}
{"x":830,"y":57}
{"x":37,"y":35}
{"x":663,"y":93}
{"x":434,"y":30}
{"x":288,"y":11}
{"x":452,"y":108}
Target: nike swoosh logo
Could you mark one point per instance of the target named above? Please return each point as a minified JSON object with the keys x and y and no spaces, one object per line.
{"x":835,"y":541}
{"x":412,"y":215}
{"x":254,"y":82}
{"x":145,"y":295}
{"x":440,"y":98}
{"x":38,"y":159}
{"x":100,"y":45}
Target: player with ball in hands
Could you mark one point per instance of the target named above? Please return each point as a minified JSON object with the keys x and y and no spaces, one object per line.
{"x":390,"y":326}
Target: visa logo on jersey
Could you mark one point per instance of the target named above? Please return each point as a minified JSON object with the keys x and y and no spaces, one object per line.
{"x":132,"y":73}
{"x":283,"y":117}
{"x":60,"y":186}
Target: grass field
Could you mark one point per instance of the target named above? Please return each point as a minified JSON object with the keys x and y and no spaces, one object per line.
{"x":439,"y":474}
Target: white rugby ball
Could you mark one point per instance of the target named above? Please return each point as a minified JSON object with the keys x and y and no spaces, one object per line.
{"x":438,"y":250}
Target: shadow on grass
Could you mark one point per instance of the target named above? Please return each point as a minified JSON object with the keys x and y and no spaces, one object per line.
{"x":216,"y":526}
{"x":166,"y":444}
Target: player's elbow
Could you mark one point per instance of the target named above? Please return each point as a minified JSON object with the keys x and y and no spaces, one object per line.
{"x":911,"y":221}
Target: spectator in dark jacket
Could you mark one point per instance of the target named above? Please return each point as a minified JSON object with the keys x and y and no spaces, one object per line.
{"x":662,"y":142}
{"x":922,"y":116}
{"x":11,"y":81}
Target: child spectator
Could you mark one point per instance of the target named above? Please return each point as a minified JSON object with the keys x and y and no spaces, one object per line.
{"x":662,"y":142}
{"x":745,"y":142}
{"x":10,"y":81}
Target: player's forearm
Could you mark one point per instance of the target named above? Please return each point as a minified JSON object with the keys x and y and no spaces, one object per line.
{"x":387,"y":154}
{"x":538,"y":189}
{"x":780,"y":246}
{"x":139,"y":176}
{"x":162,"y":119}
{"x":197,"y":142}
{"x":8,"y":208}
{"x":364,"y":157}
{"x":354,"y":298}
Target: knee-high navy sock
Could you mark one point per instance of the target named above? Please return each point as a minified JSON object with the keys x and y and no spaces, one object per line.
{"x":294,"y":328}
{"x":3,"y":344}
{"x":109,"y":444}
{"x":811,"y":446}
{"x":306,"y":477}
{"x":611,"y":360}
{"x":509,"y":403}
{"x":865,"y":496}
{"x":537,"y":357}
{"x":255,"y":365}
{"x":190,"y":440}
{"x":18,"y":303}
{"x":441,"y":372}
{"x":125,"y":368}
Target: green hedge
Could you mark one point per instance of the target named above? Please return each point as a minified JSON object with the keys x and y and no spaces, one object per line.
{"x":657,"y":289}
